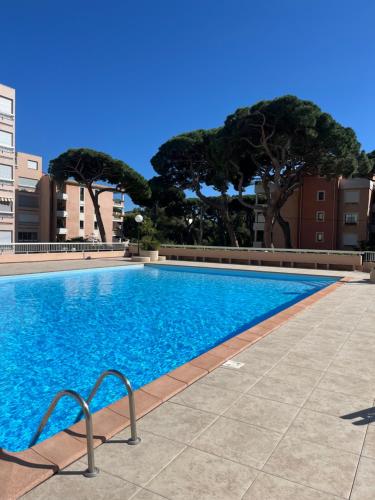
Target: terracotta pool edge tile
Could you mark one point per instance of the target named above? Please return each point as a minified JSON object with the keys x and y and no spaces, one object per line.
{"x":15,"y":484}
{"x":188,"y":373}
{"x":152,"y":402}
{"x":73,"y":449}
{"x":207,"y":361}
{"x":164,"y":387}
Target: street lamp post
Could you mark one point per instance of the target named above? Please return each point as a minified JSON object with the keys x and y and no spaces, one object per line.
{"x":138,"y":220}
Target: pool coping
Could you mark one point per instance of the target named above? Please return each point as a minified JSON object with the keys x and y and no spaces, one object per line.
{"x":22,"y":471}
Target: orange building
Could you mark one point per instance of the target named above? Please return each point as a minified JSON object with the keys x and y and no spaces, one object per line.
{"x":73,"y":215}
{"x":324,"y":214}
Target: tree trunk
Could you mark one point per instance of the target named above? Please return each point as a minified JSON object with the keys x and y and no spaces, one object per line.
{"x":286,"y":230}
{"x":99,"y":220}
{"x":229,"y":227}
{"x":268,"y":224}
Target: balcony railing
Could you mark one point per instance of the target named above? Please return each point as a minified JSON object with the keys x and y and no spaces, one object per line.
{"x":17,"y":248}
{"x":61,"y":196}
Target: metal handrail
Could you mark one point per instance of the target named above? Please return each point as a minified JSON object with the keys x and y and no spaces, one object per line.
{"x":91,"y":471}
{"x":134,"y":439}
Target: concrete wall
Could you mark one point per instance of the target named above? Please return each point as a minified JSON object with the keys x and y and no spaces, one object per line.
{"x":318,"y":260}
{"x":40,"y":257}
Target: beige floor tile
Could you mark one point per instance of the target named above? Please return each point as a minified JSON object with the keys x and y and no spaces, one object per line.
{"x":238,"y":441}
{"x":369,"y":446}
{"x":255,"y":362}
{"x":364,"y":484}
{"x":267,"y":487}
{"x":232,"y":380}
{"x":70,"y":485}
{"x":336,"y":403}
{"x":348,"y":384}
{"x":314,"y":465}
{"x":263,"y":413}
{"x":328,"y":430}
{"x":176,"y":422}
{"x":147,"y":495}
{"x":137,"y":464}
{"x":206,"y":397}
{"x":197,"y":475}
{"x":285,"y":371}
{"x":294,"y":391}
{"x":307,"y":360}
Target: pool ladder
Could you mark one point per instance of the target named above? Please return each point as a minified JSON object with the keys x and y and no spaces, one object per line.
{"x":92,"y":471}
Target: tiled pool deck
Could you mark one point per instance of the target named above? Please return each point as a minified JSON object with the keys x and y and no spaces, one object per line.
{"x":272,"y":429}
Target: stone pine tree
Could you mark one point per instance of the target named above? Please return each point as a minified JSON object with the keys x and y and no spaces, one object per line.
{"x":189,"y":162}
{"x":286,"y":139}
{"x":89,"y":167}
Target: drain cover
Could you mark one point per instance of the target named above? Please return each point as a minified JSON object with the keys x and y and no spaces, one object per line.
{"x":234,"y":365}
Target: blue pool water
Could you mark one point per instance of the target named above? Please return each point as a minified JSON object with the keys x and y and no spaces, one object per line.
{"x":61,"y":330}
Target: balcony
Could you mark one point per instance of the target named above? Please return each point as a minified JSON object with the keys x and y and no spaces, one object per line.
{"x":62,"y":213}
{"x":61,"y":230}
{"x":117,"y":217}
{"x":118,"y":203}
{"x":61,"y":196}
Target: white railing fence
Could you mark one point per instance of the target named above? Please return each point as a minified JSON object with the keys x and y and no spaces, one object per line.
{"x":369,"y":256}
{"x":22,"y":248}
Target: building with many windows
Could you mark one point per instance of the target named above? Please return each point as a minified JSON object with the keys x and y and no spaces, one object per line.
{"x":324,"y":214}
{"x":7,"y":163}
{"x":73,"y":215}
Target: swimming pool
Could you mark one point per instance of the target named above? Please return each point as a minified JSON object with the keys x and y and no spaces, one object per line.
{"x":61,"y":330}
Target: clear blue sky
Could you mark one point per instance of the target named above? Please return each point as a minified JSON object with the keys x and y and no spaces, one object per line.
{"x":123,"y":76}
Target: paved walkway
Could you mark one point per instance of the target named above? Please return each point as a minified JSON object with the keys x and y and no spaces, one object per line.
{"x":295,"y":421}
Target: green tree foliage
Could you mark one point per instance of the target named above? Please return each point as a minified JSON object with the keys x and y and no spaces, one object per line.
{"x":284,"y":140}
{"x":88,"y":167}
{"x":195,"y":160}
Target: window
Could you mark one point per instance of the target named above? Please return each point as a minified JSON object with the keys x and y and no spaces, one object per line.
{"x":28,"y":183}
{"x":6,"y":205}
{"x":28,"y":201}
{"x":95,"y":225}
{"x":350,"y":239}
{"x":5,"y":237}
{"x":27,"y":236}
{"x":6,"y":138}
{"x":6,"y":172}
{"x":81,"y":194}
{"x":351,"y":196}
{"x":350,"y":219}
{"x":320,"y":216}
{"x":82,"y":209}
{"x":28,"y":218}
{"x":32,"y":164}
{"x":321,"y":195}
{"x":259,"y":236}
{"x":319,"y":237}
{"x":81,"y":224}
{"x":6,"y":105}
{"x":259,"y":217}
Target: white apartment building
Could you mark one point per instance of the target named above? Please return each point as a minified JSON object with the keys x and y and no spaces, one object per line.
{"x":7,"y":163}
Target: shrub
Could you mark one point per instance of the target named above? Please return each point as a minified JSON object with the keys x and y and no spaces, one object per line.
{"x":150,"y":244}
